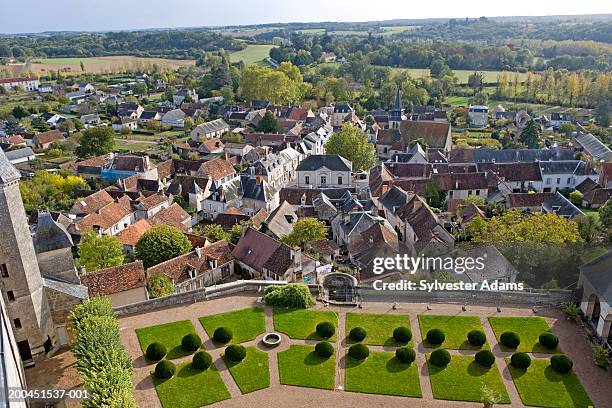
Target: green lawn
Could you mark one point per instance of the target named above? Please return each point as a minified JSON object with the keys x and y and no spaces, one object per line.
{"x":252,"y":54}
{"x":301,"y":323}
{"x":169,"y":334}
{"x":379,"y":327}
{"x":463,"y":380}
{"x":541,"y":386}
{"x":528,"y":329}
{"x":245,"y":324}
{"x":191,"y":388}
{"x":122,"y":144}
{"x":382,"y":373}
{"x":252,"y":373}
{"x":455,"y":328}
{"x":302,"y":366}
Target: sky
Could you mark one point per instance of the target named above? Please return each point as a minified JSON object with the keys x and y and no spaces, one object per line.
{"x":29,"y":16}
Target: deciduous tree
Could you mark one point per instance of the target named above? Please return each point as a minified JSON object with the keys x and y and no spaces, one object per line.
{"x":352,"y":144}
{"x":97,"y":252}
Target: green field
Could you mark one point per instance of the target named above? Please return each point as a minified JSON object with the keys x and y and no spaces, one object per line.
{"x":462,"y":74}
{"x":252,"y":54}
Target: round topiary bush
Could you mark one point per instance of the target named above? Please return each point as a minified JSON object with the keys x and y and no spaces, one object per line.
{"x":440,"y":357}
{"x":477,"y":338}
{"x":222,"y":335}
{"x":402,"y":334}
{"x":359,"y":351}
{"x":165,"y":369}
{"x":510,"y":339}
{"x":325,"y":330}
{"x":191,"y":342}
{"x":520,"y":360}
{"x":549,"y":340}
{"x":561,"y":363}
{"x":201,"y":360}
{"x":357,"y":334}
{"x":485,"y":358}
{"x":405,"y":355}
{"x":435,"y":336}
{"x":155,"y":351}
{"x":235,"y":353}
{"x":324,"y":349}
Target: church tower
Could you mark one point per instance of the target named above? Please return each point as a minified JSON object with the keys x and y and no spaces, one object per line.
{"x":396,"y":115}
{"x":20,"y":279}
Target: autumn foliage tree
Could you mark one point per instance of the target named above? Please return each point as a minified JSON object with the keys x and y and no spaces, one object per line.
{"x":352,"y":144}
{"x":98,"y":252}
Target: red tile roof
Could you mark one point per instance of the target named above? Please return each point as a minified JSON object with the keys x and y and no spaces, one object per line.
{"x":132,"y":234}
{"x":174,"y":216}
{"x":115,"y":280}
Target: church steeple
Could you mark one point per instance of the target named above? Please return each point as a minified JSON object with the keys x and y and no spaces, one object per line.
{"x":398,"y":100}
{"x":397,"y":113}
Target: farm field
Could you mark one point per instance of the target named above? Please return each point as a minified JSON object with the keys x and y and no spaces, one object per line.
{"x":462,"y":74}
{"x":252,"y":54}
{"x":100,"y":64}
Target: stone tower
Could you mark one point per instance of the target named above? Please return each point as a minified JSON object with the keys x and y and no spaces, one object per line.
{"x":21,"y":281}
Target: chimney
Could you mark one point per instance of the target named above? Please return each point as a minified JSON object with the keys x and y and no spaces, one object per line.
{"x":558,"y":149}
{"x":198,"y":252}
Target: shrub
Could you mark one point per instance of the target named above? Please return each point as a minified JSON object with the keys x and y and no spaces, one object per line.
{"x":357,"y":334}
{"x":155,"y":351}
{"x":510,"y":339}
{"x":235,"y":353}
{"x":600,"y":355}
{"x":294,"y":295}
{"x":165,"y":369}
{"x":159,"y":286}
{"x":201,"y":360}
{"x":485,"y":358}
{"x":325,"y":330}
{"x":520,"y":360}
{"x":435,"y":336}
{"x":359,"y":351}
{"x":222,"y":335}
{"x":160,"y":243}
{"x":549,"y":340}
{"x":476,"y":338}
{"x":324,"y":349}
{"x":402,"y":334}
{"x":405,"y":355}
{"x":561,"y":363}
{"x":440,"y":357}
{"x":191,"y":342}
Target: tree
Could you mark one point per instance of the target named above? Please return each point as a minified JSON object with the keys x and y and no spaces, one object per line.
{"x":605,"y":213}
{"x":352,"y":144}
{"x":19,"y":112}
{"x":531,"y":134}
{"x":160,"y":243}
{"x":590,"y":228}
{"x":159,"y":286}
{"x":268,"y":124}
{"x":476,"y":81}
{"x":576,"y":197}
{"x":214,"y":233}
{"x":39,"y":124}
{"x":12,"y":125}
{"x":282,"y":86}
{"x":50,"y":191}
{"x":97,"y":252}
{"x":96,"y":141}
{"x":305,"y":230}
{"x":436,"y":197}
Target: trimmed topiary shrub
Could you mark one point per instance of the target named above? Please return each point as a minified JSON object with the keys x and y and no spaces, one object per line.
{"x":549,"y":340}
{"x":222,"y":335}
{"x":435,"y":336}
{"x":235,"y":353}
{"x":191,"y":342}
{"x":440,"y":357}
{"x":201,"y":360}
{"x":510,"y":339}
{"x":402,"y":334}
{"x":165,"y":369}
{"x":359,"y":351}
{"x":485,"y":358}
{"x":325,"y":330}
{"x":324,"y":349}
{"x":155,"y":351}
{"x":561,"y":363}
{"x":520,"y":360}
{"x":357,"y":334}
{"x":405,"y":355}
{"x":477,"y":338}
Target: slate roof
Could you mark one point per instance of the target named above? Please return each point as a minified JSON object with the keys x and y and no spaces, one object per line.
{"x":560,"y":205}
{"x":593,"y":146}
{"x":115,"y":280}
{"x":254,"y":190}
{"x":513,"y":171}
{"x":577,"y":167}
{"x":259,"y":251}
{"x":282,"y":219}
{"x":508,"y":155}
{"x":19,"y":153}
{"x":330,"y":161}
{"x":213,"y":126}
{"x":50,"y":235}
{"x":598,"y":273}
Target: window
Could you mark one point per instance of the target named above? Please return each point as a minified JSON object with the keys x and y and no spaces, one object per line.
{"x":339,"y":179}
{"x":569,"y":180}
{"x":10,"y":295}
{"x":469,"y":192}
{"x":17,"y":323}
{"x":477,"y":192}
{"x":558,"y":180}
{"x":4,"y":271}
{"x":307,"y":179}
{"x":548,"y":180}
{"x":323,"y":180}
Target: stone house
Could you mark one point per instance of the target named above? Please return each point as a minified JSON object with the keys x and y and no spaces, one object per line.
{"x":322,"y":171}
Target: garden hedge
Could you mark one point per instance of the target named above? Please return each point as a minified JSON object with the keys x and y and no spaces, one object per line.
{"x":191,"y":342}
{"x":235,"y":353}
{"x":405,"y":355}
{"x":155,"y":351}
{"x":477,"y":338}
{"x":359,"y":351}
{"x":549,"y":340}
{"x":357,"y":334}
{"x":520,"y":360}
{"x":222,"y":335}
{"x":325,"y":330}
{"x":324,"y":349}
{"x":510,"y":339}
{"x":165,"y":369}
{"x":435,"y":336}
{"x":440,"y":357}
{"x":561,"y":363}
{"x":201,"y":360}
{"x":485,"y":358}
{"x":294,"y":295}
{"x":402,"y":334}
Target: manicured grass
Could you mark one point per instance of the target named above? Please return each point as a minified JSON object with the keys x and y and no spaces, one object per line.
{"x":541,"y":386}
{"x":252,"y":54}
{"x":252,"y":373}
{"x":301,"y":323}
{"x":528,"y":329}
{"x":191,"y":388}
{"x":169,"y":334}
{"x":463,"y":380}
{"x":245,"y":324}
{"x":382,"y":373}
{"x":302,"y":366}
{"x":455,"y":328}
{"x":379,"y":327}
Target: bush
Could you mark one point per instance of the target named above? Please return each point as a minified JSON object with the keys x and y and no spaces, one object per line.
{"x":402,"y":334}
{"x":549,"y":340}
{"x":405,"y":355}
{"x":294,"y":295}
{"x":435,"y":336}
{"x":485,"y":358}
{"x":357,"y":334}
{"x":324,"y":349}
{"x":160,"y":243}
{"x":191,"y":342}
{"x":222,"y":335}
{"x":165,"y":369}
{"x":359,"y":351}
{"x":160,"y":286}
{"x":561,"y":363}
{"x":510,"y":339}
{"x":440,"y":357}
{"x":325,"y":330}
{"x":520,"y":360}
{"x":155,"y":351}
{"x":600,"y":355}
{"x":477,"y":338}
{"x":235,"y":353}
{"x":201,"y":360}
